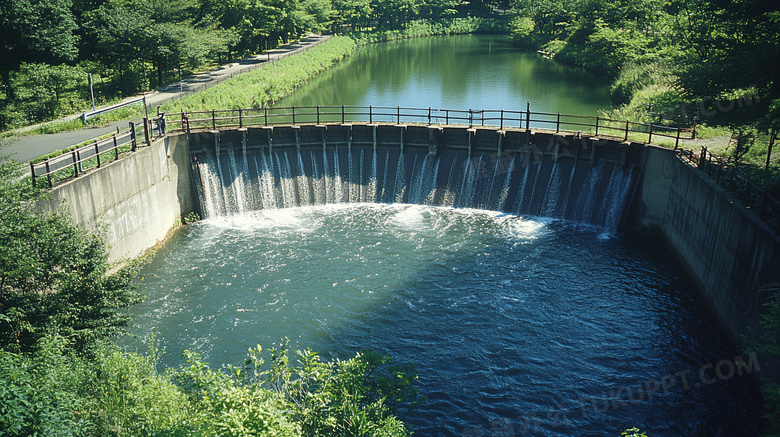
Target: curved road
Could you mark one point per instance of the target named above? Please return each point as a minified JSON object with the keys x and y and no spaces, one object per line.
{"x":25,"y":148}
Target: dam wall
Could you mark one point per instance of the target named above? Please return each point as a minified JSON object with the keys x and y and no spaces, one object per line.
{"x":534,"y":173}
{"x":727,"y":249}
{"x":136,"y":200}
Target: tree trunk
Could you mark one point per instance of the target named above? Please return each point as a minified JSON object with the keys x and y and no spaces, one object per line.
{"x":772,"y":138}
{"x":159,"y":71}
{"x":9,"y":89}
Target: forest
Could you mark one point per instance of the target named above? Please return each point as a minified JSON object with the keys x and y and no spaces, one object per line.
{"x":706,"y":59}
{"x":684,"y":61}
{"x":129,"y":46}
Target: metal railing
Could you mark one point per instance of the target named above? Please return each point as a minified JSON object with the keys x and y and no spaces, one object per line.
{"x":87,"y":115}
{"x":75,"y":162}
{"x":727,"y":175}
{"x":72,"y":163}
{"x":500,"y":118}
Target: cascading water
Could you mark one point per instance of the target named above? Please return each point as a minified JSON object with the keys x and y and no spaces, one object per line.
{"x":287,"y":177}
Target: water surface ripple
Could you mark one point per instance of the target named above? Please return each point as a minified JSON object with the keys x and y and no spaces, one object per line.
{"x":519,"y":326}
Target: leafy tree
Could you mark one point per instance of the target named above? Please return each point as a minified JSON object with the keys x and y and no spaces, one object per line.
{"x":354,"y":13}
{"x":54,"y":275}
{"x":34,"y":31}
{"x":42,"y":87}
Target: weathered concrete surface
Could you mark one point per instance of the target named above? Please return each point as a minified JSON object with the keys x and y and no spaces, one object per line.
{"x":726,"y":248}
{"x":138,"y":199}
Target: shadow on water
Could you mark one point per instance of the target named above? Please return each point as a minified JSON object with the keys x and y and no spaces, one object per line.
{"x":539,"y":327}
{"x":600,"y":339}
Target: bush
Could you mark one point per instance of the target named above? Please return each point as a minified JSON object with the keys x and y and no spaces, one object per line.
{"x":521,"y":33}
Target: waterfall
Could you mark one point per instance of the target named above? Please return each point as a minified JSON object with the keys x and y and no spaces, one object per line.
{"x":371,"y":189}
{"x":302,"y":182}
{"x":501,"y":206}
{"x":265,"y":178}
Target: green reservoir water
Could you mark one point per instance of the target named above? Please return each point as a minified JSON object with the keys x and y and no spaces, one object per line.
{"x":454,"y":72}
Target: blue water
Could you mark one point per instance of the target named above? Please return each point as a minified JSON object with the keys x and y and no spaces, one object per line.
{"x":517,"y":325}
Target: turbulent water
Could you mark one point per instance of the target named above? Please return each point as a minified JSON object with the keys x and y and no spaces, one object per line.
{"x":235,"y":182}
{"x":518,"y":325}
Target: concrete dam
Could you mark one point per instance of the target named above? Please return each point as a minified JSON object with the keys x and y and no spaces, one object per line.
{"x":729,"y":252}
{"x":557,"y":176}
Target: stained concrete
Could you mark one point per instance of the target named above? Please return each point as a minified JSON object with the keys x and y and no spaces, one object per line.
{"x":727,"y":249}
{"x":136,"y":200}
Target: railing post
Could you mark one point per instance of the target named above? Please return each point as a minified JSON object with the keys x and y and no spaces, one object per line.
{"x":703,"y":158}
{"x":558,"y":123}
{"x":75,"y":163}
{"x":625,"y":138}
{"x":528,"y":116}
{"x":370,"y":115}
{"x":398,"y":115}
{"x":501,"y":123}
{"x":650,"y":137}
{"x":48,"y":173}
{"x":446,"y":116}
{"x":429,"y":116}
{"x":133,"y":141}
{"x":116,"y":149}
{"x":677,"y":141}
{"x":240,"y":118}
{"x":265,"y":113}
{"x":318,"y":114}
{"x":471,"y":118}
{"x":146,"y":131}
{"x":293,"y":114}
{"x":32,"y":174}
{"x":343,"y":118}
{"x":183,"y":128}
{"x":213,"y":119}
{"x":97,"y":154}
{"x":597,"y":126}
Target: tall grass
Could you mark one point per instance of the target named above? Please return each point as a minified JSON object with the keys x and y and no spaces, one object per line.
{"x":264,"y":86}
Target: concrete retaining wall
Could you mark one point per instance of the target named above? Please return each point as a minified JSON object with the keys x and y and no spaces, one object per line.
{"x":138,"y":198}
{"x":727,"y":249}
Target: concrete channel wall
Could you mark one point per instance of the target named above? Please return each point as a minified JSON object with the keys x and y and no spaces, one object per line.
{"x":728,"y":251}
{"x":138,"y":199}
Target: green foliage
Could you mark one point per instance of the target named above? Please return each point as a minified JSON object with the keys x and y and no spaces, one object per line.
{"x":192,"y":217}
{"x":418,"y":28}
{"x":633,"y":432}
{"x":354,"y":397}
{"x":260,"y":88}
{"x":123,"y":394}
{"x":38,"y":392}
{"x":54,"y":391}
{"x":521,"y":32}
{"x":54,"y":275}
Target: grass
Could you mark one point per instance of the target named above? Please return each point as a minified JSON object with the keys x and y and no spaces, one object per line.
{"x":264,"y":86}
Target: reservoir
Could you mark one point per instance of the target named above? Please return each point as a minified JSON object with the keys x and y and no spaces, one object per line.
{"x":523,"y":314}
{"x":454,"y":72}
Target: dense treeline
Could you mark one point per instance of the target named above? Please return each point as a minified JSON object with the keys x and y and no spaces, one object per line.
{"x":49,"y":47}
{"x":711,"y":60}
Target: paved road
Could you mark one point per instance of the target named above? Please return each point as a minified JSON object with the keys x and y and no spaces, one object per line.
{"x":25,"y":148}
